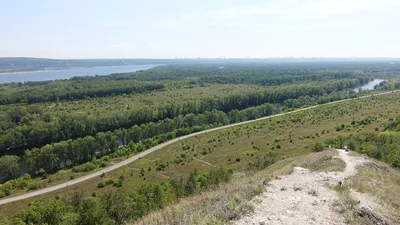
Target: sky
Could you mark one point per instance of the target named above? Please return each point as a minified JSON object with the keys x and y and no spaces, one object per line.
{"x":199,"y":28}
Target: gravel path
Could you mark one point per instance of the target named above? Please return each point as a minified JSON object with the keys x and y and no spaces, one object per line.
{"x":158,"y":147}
{"x":302,"y":197}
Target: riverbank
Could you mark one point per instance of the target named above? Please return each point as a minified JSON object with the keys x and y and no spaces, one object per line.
{"x":55,"y":74}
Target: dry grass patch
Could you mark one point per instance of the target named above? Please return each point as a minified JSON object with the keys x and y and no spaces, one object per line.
{"x":346,"y":205}
{"x":212,"y":207}
{"x":381,"y":182}
{"x":325,"y":161}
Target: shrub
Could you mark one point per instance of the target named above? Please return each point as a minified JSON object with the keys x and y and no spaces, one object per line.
{"x":105,"y":183}
{"x":318,"y":147}
{"x":89,"y":166}
{"x":33,"y":186}
{"x":119,"y":183}
{"x":45,"y":176}
{"x":237,"y":159}
{"x":352,"y":145}
{"x":103,"y":164}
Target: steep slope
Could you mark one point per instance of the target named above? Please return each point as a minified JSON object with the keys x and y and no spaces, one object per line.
{"x":310,"y":197}
{"x":301,"y":190}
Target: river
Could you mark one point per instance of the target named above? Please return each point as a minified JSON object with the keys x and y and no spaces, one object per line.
{"x":370,"y":85}
{"x":68,"y":73}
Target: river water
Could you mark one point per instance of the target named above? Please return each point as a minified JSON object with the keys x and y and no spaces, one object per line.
{"x":68,"y":73}
{"x":370,"y":85}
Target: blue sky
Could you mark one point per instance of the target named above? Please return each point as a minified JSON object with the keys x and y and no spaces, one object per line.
{"x":199,"y":28}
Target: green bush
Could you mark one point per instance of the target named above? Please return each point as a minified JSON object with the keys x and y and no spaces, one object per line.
{"x":2,"y":194}
{"x":119,"y":183}
{"x":318,"y":147}
{"x":105,"y":183}
{"x":352,"y":145}
{"x":33,"y":185}
{"x":89,"y":166}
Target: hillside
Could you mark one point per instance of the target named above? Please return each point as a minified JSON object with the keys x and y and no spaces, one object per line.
{"x":301,"y":190}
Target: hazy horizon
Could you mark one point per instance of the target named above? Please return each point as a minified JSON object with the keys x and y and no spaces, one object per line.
{"x":153,"y":29}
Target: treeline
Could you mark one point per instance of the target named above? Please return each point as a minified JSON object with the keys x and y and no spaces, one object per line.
{"x":74,"y":90}
{"x":30,"y":127}
{"x":273,"y":80}
{"x":119,"y":207}
{"x":384,"y":145}
{"x":385,"y":85}
{"x":303,"y":101}
{"x":66,"y":154}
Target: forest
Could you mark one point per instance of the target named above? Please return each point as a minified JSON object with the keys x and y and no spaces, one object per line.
{"x":80,"y":125}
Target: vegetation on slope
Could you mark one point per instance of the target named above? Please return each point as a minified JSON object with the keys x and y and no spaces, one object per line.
{"x":383,"y":145}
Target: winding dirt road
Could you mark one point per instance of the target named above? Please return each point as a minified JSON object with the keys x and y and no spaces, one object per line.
{"x":158,"y":147}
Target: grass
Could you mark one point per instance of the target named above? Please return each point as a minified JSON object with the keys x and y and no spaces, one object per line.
{"x":381,"y":182}
{"x":323,"y":162}
{"x":346,"y":205}
{"x":377,"y":182}
{"x":221,"y":148}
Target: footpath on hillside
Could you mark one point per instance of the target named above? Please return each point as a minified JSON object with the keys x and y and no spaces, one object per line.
{"x":306,"y":197}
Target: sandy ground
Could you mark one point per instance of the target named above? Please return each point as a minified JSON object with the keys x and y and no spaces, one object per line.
{"x":304,"y":197}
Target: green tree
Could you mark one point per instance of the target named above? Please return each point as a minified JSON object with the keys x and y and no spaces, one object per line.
{"x":9,"y":167}
{"x":91,"y":212}
{"x":191,"y":186}
{"x":120,"y":207}
{"x":49,"y":212}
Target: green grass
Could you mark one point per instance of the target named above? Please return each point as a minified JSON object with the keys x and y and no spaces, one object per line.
{"x":316,"y":125}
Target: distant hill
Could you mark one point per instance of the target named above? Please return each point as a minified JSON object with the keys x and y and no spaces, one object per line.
{"x":22,"y":63}
{"x":26,"y":64}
